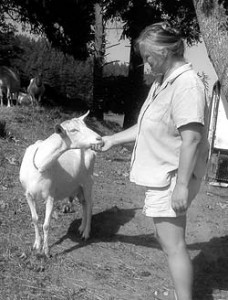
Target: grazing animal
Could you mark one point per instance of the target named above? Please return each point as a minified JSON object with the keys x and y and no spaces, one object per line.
{"x":9,"y":85}
{"x":57,"y":168}
{"x":24,"y":99}
{"x":36,"y":88}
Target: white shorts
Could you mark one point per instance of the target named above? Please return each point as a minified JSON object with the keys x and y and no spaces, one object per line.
{"x":158,"y":200}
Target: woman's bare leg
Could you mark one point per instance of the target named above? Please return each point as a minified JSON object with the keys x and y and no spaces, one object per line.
{"x":171,"y":236}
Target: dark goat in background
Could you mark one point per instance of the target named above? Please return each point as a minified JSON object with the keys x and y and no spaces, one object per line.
{"x":9,"y":85}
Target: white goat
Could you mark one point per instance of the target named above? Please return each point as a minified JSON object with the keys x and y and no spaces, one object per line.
{"x":59,"y":167}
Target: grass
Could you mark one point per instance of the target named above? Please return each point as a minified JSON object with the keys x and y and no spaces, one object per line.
{"x":122,"y":260}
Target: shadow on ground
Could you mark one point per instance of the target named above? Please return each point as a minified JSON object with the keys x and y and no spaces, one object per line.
{"x":105,"y":227}
{"x":211,"y":269}
{"x":210,"y":265}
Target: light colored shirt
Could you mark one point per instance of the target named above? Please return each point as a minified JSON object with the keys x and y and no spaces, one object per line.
{"x":178,"y":101}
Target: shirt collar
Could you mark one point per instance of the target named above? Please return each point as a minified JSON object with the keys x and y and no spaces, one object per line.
{"x":157,"y":87}
{"x":178,"y":72}
{"x":174,"y":74}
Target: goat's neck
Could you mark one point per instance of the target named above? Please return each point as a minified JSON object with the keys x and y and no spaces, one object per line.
{"x":48,"y":152}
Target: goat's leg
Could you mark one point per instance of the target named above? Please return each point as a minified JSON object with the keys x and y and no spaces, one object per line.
{"x":32,"y":99}
{"x":8,"y":97}
{"x":81,"y":199}
{"x":35,"y":218}
{"x":1,"y":92}
{"x":48,"y":214}
{"x":8,"y":102}
{"x":1,"y":96}
{"x":87,"y":212}
{"x":16,"y":98}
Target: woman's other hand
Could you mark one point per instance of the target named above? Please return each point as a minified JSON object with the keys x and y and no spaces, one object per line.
{"x":180,"y":199}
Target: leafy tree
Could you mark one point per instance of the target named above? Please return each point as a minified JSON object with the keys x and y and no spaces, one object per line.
{"x":65,"y":23}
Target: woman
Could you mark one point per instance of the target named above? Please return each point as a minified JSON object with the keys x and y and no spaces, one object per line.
{"x":169,"y":156}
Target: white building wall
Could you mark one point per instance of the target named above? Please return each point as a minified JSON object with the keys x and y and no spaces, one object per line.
{"x":221,"y":132}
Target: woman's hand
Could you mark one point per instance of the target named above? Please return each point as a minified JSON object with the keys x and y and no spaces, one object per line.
{"x":104,"y":145}
{"x":179,"y":200}
{"x":122,"y":137}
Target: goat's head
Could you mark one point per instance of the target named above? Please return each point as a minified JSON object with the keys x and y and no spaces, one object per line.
{"x":76,"y":134}
{"x":39,"y":79}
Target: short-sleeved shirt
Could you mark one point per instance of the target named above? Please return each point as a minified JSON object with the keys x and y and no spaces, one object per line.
{"x":178,"y":101}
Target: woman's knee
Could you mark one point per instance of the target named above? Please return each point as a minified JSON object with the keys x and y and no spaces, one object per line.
{"x":171,"y":248}
{"x":171,"y":235}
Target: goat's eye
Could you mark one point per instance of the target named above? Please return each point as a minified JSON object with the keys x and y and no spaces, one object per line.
{"x":74,"y":130}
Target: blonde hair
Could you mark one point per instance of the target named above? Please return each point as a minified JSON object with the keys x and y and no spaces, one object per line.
{"x":159,"y":36}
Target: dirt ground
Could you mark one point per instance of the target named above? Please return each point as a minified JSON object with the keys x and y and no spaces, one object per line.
{"x":121,"y":260}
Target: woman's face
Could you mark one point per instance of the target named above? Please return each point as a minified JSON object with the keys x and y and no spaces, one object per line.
{"x":156,"y":60}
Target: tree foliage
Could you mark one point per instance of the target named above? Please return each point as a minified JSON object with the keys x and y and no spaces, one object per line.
{"x":68,"y":78}
{"x":115,"y":69}
{"x":9,"y":44}
{"x":137,"y":14}
{"x":65,"y":23}
{"x":204,"y":77}
{"x":69,"y":26}
{"x":9,"y":48}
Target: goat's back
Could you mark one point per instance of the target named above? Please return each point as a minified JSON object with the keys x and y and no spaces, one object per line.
{"x":9,"y":79}
{"x":74,"y":168}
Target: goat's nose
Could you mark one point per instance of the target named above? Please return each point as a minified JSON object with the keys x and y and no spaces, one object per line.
{"x":99,"y":142}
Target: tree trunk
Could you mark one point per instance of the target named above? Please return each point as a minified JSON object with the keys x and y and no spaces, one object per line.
{"x":134,"y":99}
{"x":213,"y":21}
{"x":99,"y":50}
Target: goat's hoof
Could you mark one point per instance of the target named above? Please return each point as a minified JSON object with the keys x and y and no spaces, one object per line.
{"x":67,"y":209}
{"x":23,"y":256}
{"x":35,"y":251}
{"x":40,"y":269}
{"x":84,"y":237}
{"x":46,"y":253}
{"x":80,"y":230}
{"x":36,"y":246}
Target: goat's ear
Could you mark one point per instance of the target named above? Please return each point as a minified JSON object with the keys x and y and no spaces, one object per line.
{"x":84,"y":116}
{"x":60,"y":130}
